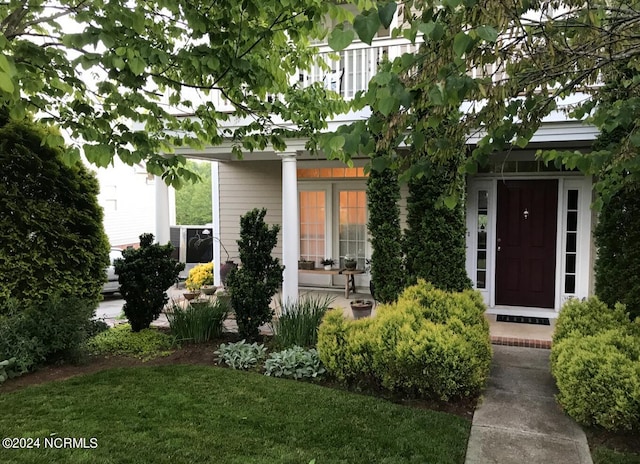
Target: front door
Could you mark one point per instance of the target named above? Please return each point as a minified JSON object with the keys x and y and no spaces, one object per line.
{"x":526,"y":243}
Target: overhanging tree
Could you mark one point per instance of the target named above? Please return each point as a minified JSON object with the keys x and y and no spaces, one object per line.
{"x":138,"y":79}
{"x":506,"y":66}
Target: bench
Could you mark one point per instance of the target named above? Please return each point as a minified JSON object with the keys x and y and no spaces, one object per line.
{"x":350,"y":283}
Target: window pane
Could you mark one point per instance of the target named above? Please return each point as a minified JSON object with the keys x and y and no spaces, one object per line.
{"x":571,"y":242}
{"x":570,"y":283}
{"x":572,"y":221}
{"x":571,"y":264}
{"x":481,"y":281}
{"x":573,"y":200}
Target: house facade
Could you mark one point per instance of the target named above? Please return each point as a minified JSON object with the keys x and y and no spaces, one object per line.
{"x":529,"y":226}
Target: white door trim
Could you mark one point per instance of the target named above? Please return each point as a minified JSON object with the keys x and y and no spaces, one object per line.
{"x":583,"y":273}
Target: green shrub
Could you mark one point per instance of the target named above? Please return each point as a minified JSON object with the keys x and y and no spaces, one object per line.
{"x":430,"y":342}
{"x":121,"y":341}
{"x":598,"y":379}
{"x":53,"y":241}
{"x":50,"y":331}
{"x":617,"y":234}
{"x":241,"y":355}
{"x":589,"y":317}
{"x":144,"y":275}
{"x":252,"y":286}
{"x":298,"y":324}
{"x":198,"y":322}
{"x":295,"y":362}
{"x":434,"y":241}
{"x":387,"y":264}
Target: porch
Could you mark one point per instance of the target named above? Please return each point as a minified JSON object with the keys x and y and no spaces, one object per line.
{"x":502,"y":333}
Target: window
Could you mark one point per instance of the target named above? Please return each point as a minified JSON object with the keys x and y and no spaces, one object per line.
{"x":571,"y":251}
{"x":481,"y":255}
{"x":312,"y":225}
{"x":353,"y":226}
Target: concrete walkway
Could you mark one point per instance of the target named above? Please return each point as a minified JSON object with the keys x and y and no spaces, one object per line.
{"x":518,"y":420}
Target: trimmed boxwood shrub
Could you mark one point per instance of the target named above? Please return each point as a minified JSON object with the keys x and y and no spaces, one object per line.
{"x":53,"y":240}
{"x":430,"y":343}
{"x":595,"y":359}
{"x":598,"y":378}
{"x":581,"y":318}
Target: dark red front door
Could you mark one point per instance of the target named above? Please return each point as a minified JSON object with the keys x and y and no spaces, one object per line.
{"x":526,"y":243}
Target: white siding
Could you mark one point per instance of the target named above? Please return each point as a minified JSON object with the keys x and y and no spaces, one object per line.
{"x":245,"y":185}
{"x":128,"y":200}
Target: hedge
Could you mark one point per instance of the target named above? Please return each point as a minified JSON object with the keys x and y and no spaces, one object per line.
{"x":429,"y":343}
{"x":595,"y":359}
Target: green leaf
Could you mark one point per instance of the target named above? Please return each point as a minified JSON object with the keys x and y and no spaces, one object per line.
{"x":383,"y":78}
{"x":137,"y":66}
{"x":487,"y":33}
{"x":341,"y":39}
{"x":386,"y":102}
{"x":450,"y":201}
{"x":386,"y":14}
{"x":380,"y":163}
{"x":99,"y":154}
{"x":6,"y":84}
{"x":5,"y":65}
{"x":461,"y":43}
{"x":336,"y":142}
{"x":366,"y":26}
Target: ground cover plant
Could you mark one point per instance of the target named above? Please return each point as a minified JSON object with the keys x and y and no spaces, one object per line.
{"x":176,"y":414}
{"x":121,"y":341}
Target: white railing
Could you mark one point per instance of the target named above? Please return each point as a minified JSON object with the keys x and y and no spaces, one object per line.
{"x":350,"y":70}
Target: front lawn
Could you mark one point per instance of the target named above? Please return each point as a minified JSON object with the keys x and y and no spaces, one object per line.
{"x":176,"y":414}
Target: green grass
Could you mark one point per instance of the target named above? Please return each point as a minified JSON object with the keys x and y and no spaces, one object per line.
{"x":185,"y":414}
{"x":603,"y":455}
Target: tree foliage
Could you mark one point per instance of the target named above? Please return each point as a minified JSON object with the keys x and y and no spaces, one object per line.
{"x":193,"y":201}
{"x":144,"y":275}
{"x":53,"y":241}
{"x":252,"y":286}
{"x":138,"y":79}
{"x":507,"y":66}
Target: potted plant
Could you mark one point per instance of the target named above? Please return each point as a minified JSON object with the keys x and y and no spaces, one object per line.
{"x":350,"y":262}
{"x":361,"y":308}
{"x":306,"y":264}
{"x":327,"y":263}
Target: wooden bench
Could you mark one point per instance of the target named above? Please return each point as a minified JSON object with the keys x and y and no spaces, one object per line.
{"x":350,"y":282}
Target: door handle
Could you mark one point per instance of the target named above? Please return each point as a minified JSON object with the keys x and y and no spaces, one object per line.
{"x":499,"y":247}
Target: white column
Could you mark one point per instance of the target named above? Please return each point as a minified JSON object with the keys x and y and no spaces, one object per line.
{"x":162,"y":211}
{"x":215,"y":215}
{"x":290,"y":227}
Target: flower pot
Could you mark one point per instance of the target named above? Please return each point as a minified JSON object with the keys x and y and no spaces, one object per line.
{"x":191,"y":295}
{"x":225,"y":269}
{"x":306,"y":265}
{"x":361,"y":308}
{"x":350,"y":264}
{"x":327,"y":267}
{"x":208,"y":289}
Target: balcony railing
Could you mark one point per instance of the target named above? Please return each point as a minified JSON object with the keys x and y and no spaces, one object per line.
{"x":350,"y":70}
